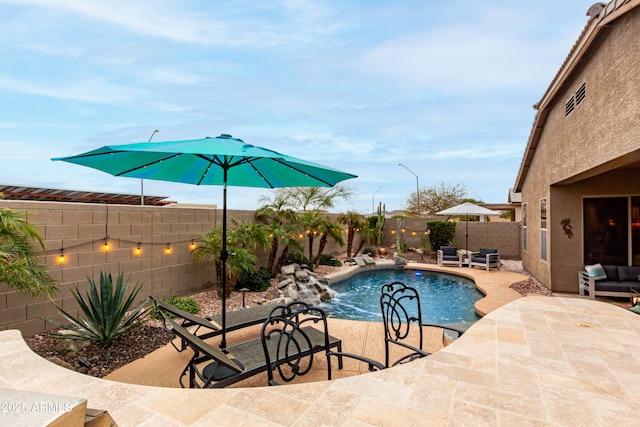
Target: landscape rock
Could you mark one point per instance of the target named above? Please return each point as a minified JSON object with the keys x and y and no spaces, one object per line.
{"x":289,"y":269}
{"x":368,"y":259}
{"x":399,"y":260}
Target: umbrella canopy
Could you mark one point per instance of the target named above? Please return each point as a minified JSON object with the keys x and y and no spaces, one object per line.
{"x":223,"y":160}
{"x":467,"y":209}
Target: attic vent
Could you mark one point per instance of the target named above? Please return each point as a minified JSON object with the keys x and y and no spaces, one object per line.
{"x":569,"y":106}
{"x":581,"y":93}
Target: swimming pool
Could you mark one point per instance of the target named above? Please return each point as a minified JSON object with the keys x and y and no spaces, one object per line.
{"x":445,"y":298}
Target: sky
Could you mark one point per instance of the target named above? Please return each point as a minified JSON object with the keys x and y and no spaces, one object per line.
{"x":445,"y":88}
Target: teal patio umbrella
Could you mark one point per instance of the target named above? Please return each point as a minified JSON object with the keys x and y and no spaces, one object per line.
{"x":222,"y":160}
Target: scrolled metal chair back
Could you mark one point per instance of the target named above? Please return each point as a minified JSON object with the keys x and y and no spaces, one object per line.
{"x":400,"y":306}
{"x":288,"y":347}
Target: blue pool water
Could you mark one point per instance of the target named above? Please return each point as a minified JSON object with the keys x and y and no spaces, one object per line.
{"x":444,"y":298}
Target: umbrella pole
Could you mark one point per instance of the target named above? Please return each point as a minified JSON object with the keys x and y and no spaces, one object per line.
{"x":467,"y":235}
{"x":224,"y":254}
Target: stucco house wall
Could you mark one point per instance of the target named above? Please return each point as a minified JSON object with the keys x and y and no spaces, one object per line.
{"x":592,"y":151}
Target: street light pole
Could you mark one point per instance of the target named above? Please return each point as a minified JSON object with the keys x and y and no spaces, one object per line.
{"x":373,"y":199}
{"x":142,"y":180}
{"x":417,"y":185}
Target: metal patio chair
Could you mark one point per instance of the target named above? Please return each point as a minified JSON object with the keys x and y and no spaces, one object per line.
{"x":400,"y":306}
{"x":286,"y":342}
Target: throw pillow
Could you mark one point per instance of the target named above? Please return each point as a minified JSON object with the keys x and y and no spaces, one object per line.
{"x":596,"y":271}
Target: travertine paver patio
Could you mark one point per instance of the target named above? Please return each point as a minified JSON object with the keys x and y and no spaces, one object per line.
{"x":534,"y":361}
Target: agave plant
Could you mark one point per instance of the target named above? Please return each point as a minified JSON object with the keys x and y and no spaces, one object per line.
{"x":105,"y":311}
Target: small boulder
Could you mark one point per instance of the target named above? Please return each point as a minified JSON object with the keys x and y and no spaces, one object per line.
{"x":285,"y":283}
{"x":302,"y":275}
{"x":368,"y":259}
{"x":288,"y":270}
{"x":399,"y":260}
{"x":71,"y":345}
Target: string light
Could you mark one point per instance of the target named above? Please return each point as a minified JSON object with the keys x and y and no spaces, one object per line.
{"x":106,"y":244}
{"x":193,"y":245}
{"x":168,"y":249}
{"x":138,"y":250}
{"x":61,"y":258}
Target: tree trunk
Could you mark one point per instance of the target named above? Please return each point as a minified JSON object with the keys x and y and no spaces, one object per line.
{"x":281,"y":259}
{"x":310,"y":247}
{"x":323,"y":243}
{"x":272,"y":256}
{"x":350,"y":234}
{"x":359,"y":248}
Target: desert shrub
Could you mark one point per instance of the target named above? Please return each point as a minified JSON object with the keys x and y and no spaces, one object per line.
{"x":298,"y":258}
{"x":185,"y":304}
{"x":254,"y":280}
{"x":369,"y":250}
{"x":441,"y":233}
{"x":328,"y":259}
{"x":104,"y":309}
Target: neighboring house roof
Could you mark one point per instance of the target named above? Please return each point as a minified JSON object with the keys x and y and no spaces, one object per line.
{"x":15,"y":192}
{"x":515,"y":198}
{"x":600,"y":16}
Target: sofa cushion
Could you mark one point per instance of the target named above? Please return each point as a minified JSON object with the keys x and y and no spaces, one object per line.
{"x":611,"y":286}
{"x":596,"y":271}
{"x":628,"y":273}
{"x":611,"y":271}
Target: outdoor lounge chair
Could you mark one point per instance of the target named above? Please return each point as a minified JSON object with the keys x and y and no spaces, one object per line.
{"x":286,"y":332}
{"x":400,"y":306}
{"x":235,"y":320}
{"x":449,"y":255}
{"x":211,"y":367}
{"x":487,"y":258}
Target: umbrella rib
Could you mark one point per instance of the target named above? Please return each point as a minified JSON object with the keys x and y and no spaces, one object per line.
{"x":146,"y":164}
{"x":304,"y":172}
{"x":250,"y":161}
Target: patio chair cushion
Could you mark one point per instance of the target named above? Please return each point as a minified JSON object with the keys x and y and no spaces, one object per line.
{"x":596,"y":271}
{"x":484,"y":251}
{"x":449,"y":251}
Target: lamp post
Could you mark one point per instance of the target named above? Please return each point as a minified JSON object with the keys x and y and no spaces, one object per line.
{"x":417,"y":185}
{"x":373,"y":199}
{"x":142,"y":180}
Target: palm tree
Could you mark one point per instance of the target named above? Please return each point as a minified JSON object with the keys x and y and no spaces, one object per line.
{"x":327,"y":228}
{"x":289,"y":239}
{"x":276,"y":216}
{"x":241,"y":257}
{"x":310,"y":222}
{"x":19,"y":266}
{"x":353,"y":220}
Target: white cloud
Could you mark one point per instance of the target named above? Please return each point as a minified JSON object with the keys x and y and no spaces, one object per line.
{"x":88,"y":90}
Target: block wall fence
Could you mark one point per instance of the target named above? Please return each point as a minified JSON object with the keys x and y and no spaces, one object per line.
{"x":79,"y":230}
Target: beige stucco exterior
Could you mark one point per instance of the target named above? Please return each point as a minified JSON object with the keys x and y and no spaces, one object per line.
{"x":592,"y":151}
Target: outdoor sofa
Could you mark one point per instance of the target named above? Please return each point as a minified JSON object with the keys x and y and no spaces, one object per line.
{"x":609,"y":280}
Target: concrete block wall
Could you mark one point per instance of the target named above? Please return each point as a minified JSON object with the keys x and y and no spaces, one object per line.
{"x":80,"y":229}
{"x":502,"y":235}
